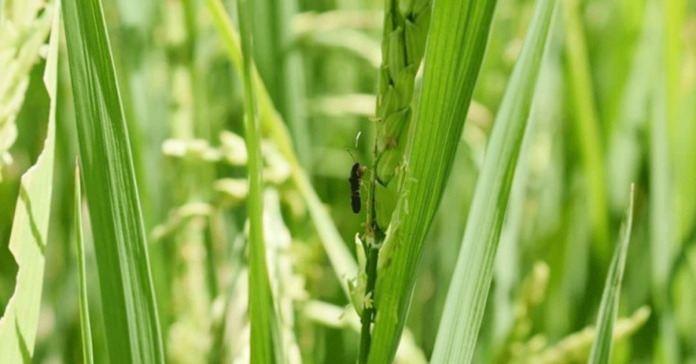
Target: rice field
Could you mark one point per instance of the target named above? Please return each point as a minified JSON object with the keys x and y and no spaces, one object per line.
{"x":348,"y":181}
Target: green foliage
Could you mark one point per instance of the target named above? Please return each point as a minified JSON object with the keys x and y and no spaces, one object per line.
{"x":585,"y":123}
{"x":403,"y":45}
{"x":609,"y":307}
{"x":127,"y":295}
{"x":273,"y":125}
{"x":448,"y":83}
{"x":441,"y":94}
{"x":23,"y":32}
{"x":472,"y":276}
{"x":29,"y":240}
{"x":265,"y":338}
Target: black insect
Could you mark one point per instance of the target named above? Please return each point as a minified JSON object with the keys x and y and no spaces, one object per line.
{"x":356,"y":175}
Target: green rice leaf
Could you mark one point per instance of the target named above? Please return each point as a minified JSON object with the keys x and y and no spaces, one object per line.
{"x":609,"y":307}
{"x":456,"y":43}
{"x":468,"y":292}
{"x":129,"y":308}
{"x":30,"y":231}
{"x":266,"y":346}
{"x":85,"y":329}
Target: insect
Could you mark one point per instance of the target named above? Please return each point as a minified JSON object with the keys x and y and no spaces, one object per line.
{"x":356,"y":174}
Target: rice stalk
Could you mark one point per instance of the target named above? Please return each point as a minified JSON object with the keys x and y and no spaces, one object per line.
{"x":456,"y":43}
{"x":403,"y":46}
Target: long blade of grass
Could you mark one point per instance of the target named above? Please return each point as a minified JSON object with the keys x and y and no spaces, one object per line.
{"x":265,"y":336}
{"x":456,"y":43}
{"x":587,"y":127}
{"x":129,"y":308}
{"x":468,"y":292}
{"x":339,"y":255}
{"x":85,"y":328}
{"x":30,"y":230}
{"x":609,"y":307}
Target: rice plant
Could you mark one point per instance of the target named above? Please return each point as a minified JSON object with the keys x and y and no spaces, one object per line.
{"x":311,"y":181}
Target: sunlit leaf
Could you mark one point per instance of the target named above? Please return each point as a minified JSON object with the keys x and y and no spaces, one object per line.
{"x":128,"y":300}
{"x":30,"y":231}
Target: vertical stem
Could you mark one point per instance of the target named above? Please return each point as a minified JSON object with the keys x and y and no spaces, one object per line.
{"x":373,"y":240}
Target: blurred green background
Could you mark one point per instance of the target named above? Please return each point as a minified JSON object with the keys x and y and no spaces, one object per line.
{"x":619,"y":75}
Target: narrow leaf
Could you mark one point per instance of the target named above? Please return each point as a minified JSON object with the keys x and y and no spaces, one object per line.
{"x":609,"y":307}
{"x":468,"y":292}
{"x":86,"y":330}
{"x":265,"y":337}
{"x":129,"y":308}
{"x":30,"y":231}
